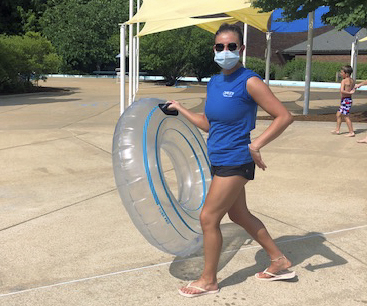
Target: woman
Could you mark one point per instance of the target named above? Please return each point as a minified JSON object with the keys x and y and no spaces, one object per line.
{"x":230,"y":114}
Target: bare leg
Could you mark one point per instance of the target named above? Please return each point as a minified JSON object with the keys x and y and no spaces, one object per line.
{"x":350,"y":127}
{"x":240,"y":214}
{"x":338,"y":123}
{"x":222,"y":194}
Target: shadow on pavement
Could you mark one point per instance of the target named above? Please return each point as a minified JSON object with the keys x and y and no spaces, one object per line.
{"x":298,"y":250}
{"x":38,"y":97}
{"x":359,"y":131}
{"x":234,"y":237}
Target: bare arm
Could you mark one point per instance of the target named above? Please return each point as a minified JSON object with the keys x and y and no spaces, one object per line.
{"x":361,"y":84}
{"x":199,"y":120}
{"x":264,"y":97}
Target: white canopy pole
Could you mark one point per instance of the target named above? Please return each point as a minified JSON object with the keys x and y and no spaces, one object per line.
{"x":122,"y":67}
{"x":131,"y":29}
{"x":268,"y":56}
{"x":137,"y":49}
{"x":308,"y":63}
{"x":353,"y":58}
{"x":134,"y":68}
{"x":245,"y":26}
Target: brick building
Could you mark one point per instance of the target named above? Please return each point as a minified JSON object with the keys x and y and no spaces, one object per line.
{"x":328,"y":45}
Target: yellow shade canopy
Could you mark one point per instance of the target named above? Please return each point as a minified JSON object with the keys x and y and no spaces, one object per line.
{"x":161,"y":15}
{"x":214,"y":25}
{"x":252,"y":17}
{"x":175,"y":9}
{"x":170,"y":24}
{"x":363,"y":39}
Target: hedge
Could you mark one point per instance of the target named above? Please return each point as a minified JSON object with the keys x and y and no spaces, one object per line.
{"x":23,"y":59}
{"x":320,"y":71}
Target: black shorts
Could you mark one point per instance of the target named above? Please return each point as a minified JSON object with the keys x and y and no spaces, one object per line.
{"x":245,"y":170}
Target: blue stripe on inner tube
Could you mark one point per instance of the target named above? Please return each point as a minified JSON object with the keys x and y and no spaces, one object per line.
{"x":199,"y":165}
{"x":162,"y":176}
{"x":166,"y":191}
{"x":150,"y":181}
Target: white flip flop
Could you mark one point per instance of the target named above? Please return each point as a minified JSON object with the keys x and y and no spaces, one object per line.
{"x":281,"y":275}
{"x":202,"y":291}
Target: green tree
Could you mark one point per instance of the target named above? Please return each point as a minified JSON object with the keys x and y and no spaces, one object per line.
{"x":177,"y":53}
{"x":25,"y":58}
{"x":8,"y":71}
{"x":166,"y":53}
{"x":31,"y":14}
{"x":10,"y":20}
{"x":342,"y":13}
{"x":82,"y":31}
{"x":20,"y":16}
{"x":201,"y":56}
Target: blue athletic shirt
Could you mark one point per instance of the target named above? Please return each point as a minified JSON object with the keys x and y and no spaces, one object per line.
{"x":231,"y":112}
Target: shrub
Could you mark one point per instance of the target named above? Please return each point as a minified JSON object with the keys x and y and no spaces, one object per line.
{"x":362,"y":71}
{"x":295,"y":69}
{"x":23,"y":59}
{"x":259,"y":66}
{"x":325,"y":71}
{"x":320,"y":71}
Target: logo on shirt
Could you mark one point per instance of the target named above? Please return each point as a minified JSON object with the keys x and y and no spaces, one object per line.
{"x":228,"y":94}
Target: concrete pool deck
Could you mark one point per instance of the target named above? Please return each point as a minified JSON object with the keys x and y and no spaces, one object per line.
{"x":66,"y":239}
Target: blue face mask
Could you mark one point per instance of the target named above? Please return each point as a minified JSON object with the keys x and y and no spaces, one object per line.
{"x":227,"y":59}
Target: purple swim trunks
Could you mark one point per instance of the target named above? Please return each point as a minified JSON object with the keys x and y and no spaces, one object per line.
{"x":345,"y":105}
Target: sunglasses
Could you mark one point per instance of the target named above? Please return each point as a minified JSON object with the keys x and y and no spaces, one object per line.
{"x":220,"y":47}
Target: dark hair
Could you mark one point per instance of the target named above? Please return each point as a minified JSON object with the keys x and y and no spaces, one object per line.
{"x":225,"y":27}
{"x":347,"y":69}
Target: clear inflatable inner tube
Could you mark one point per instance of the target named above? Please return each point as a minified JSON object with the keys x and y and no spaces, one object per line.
{"x":162,"y":173}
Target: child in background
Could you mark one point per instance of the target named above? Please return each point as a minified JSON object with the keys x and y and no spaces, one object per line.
{"x":346,"y":91}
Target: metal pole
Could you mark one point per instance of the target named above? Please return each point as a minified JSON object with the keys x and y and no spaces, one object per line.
{"x":245,"y":26}
{"x":352,"y":51}
{"x":122,"y":67}
{"x":353,"y":58}
{"x":308,"y":63}
{"x":131,"y":29}
{"x":137,"y":63}
{"x":134,"y":67}
{"x":137,"y":49}
{"x":356,"y":61}
{"x":268,"y":56}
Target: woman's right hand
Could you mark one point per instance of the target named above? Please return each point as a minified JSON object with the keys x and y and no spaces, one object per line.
{"x":173,"y":104}
{"x":198,"y":120}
